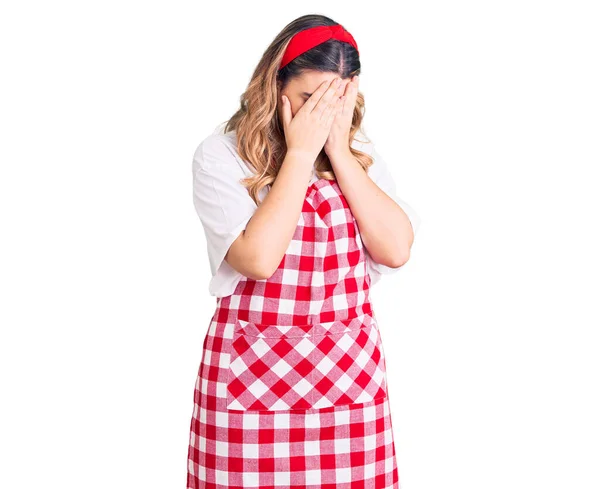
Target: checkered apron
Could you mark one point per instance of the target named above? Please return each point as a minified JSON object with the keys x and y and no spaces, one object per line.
{"x":291,"y":391}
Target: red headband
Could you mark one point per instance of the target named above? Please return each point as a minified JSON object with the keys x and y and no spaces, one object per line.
{"x":309,"y":38}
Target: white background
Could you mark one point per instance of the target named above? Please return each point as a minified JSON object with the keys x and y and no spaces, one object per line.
{"x":488,"y":114}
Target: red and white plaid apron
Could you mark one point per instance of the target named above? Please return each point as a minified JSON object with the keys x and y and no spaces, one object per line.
{"x":291,"y":391}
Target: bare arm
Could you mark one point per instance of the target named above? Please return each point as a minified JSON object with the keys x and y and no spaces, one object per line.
{"x":259,"y":249}
{"x":385,"y":229}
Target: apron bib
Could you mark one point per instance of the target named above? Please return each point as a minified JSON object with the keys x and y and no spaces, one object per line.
{"x":306,"y":337}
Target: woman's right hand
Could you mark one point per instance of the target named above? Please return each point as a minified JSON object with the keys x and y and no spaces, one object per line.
{"x":307,"y":131}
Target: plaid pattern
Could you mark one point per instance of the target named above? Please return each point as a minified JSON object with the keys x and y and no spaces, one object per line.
{"x":295,"y":367}
{"x":291,"y":391}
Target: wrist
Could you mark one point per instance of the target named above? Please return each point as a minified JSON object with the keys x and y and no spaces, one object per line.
{"x":301,"y":156}
{"x":340,"y":153}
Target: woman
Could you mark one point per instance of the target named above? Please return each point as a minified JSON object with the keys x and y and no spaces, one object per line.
{"x":301,"y":219}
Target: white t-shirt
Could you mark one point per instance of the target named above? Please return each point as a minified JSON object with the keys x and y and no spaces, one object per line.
{"x":225,"y":207}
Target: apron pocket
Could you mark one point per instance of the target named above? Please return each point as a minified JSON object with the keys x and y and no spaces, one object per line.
{"x":269,"y":368}
{"x":280,"y":368}
{"x":349,"y":367}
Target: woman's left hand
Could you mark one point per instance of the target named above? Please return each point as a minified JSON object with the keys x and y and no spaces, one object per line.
{"x":339,"y":134}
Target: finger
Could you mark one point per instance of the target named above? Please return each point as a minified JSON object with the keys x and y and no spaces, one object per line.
{"x":338,"y":96}
{"x":286,"y":110}
{"x":311,"y":103}
{"x":351,"y":90}
{"x":327,"y":97}
{"x":350,"y":94}
{"x":336,"y":110}
{"x":329,"y":109}
{"x":344,"y":106}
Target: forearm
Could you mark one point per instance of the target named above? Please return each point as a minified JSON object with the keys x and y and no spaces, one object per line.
{"x":260,"y":248}
{"x":385,"y":228}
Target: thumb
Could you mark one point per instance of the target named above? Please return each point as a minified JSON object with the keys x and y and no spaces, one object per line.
{"x":286,"y":111}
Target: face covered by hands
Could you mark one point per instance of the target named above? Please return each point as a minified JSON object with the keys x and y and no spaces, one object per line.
{"x":299,"y":89}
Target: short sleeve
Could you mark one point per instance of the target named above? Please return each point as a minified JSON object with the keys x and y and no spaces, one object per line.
{"x":220,"y":199}
{"x":380,"y":174}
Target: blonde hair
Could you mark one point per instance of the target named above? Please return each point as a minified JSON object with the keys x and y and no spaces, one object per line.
{"x":260,"y":135}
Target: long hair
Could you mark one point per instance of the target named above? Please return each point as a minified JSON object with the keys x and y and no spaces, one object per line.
{"x":259,"y":132}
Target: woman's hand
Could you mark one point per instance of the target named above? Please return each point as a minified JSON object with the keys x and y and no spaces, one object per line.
{"x":307,"y":131}
{"x":339,"y":135}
